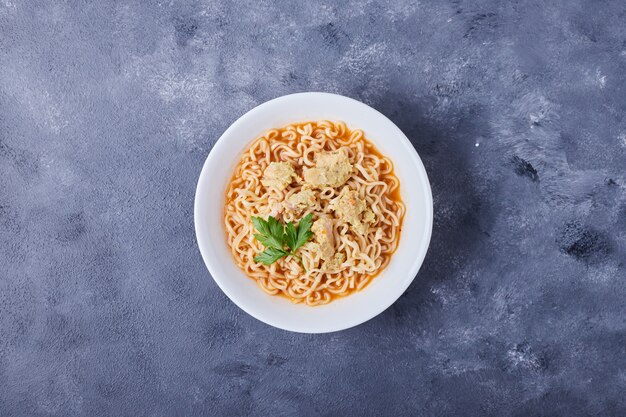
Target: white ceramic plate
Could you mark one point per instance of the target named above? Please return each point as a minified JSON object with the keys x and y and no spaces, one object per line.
{"x":344,"y":312}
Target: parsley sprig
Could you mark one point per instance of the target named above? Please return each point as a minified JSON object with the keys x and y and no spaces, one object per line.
{"x":281,"y":240}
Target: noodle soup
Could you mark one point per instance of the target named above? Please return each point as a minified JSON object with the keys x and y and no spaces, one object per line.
{"x":328,"y":179}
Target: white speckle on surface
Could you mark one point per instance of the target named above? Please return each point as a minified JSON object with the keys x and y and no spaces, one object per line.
{"x":362,"y":58}
{"x":534,"y":118}
{"x":398,"y":11}
{"x":523,"y":358}
{"x":622,"y":139}
{"x":58,"y":170}
{"x":442,"y":294}
{"x":44,"y":107}
{"x":196,"y":394}
{"x":605,"y":274}
{"x":538,"y":108}
{"x":600,"y":79}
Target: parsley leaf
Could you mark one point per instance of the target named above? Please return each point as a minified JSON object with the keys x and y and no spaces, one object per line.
{"x":304,"y":230}
{"x":291,"y":236}
{"x":276,"y":227}
{"x":261,"y":225}
{"x":268,"y":235}
{"x":269,"y":241}
{"x":269,"y":256}
{"x":275,"y":236}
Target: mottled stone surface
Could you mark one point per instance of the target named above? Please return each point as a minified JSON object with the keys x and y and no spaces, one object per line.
{"x":109,"y":109}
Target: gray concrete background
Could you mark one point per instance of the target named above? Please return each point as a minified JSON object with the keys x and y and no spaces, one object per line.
{"x":109,"y":109}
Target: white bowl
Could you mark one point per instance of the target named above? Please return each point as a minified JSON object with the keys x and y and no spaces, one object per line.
{"x":344,"y":312}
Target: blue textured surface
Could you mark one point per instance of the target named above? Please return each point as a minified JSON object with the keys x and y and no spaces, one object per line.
{"x":107,"y":113}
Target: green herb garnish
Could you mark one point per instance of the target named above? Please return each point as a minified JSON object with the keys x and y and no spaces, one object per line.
{"x":281,"y":240}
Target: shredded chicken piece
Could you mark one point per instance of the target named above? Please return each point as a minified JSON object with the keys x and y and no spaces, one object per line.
{"x":332,"y":169}
{"x":350,"y":208}
{"x":300,"y":201}
{"x":335,"y":262}
{"x":274,"y":209}
{"x":323,"y":230}
{"x":278,"y":175}
{"x":368,"y":216}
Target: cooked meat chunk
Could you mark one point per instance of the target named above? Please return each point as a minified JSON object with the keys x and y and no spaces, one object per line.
{"x":350,"y":208}
{"x":278,"y":175}
{"x":368,"y":216}
{"x":274,"y":209}
{"x":323,"y":230}
{"x":335,"y":262}
{"x":332,"y":169}
{"x":300,"y":201}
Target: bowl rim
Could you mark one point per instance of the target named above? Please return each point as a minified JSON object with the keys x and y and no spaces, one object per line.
{"x":205,"y":244}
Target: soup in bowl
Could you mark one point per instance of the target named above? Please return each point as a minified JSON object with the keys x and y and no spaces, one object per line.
{"x":313,"y":212}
